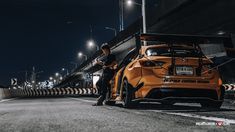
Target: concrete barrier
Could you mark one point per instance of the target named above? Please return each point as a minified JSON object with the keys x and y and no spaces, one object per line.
{"x":4,"y":93}
{"x":229,"y":91}
{"x":52,"y":92}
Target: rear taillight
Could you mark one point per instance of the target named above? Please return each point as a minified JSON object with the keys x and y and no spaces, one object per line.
{"x":220,"y":82}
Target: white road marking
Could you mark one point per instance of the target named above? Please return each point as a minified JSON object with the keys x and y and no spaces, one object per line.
{"x":83,"y":100}
{"x":230,"y":121}
{"x":5,"y":100}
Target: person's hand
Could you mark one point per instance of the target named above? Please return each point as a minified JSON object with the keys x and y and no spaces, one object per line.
{"x":99,"y":63}
{"x":104,"y":67}
{"x":115,"y":66}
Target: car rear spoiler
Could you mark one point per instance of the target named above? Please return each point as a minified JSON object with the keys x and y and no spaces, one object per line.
{"x":171,"y":39}
{"x":182,"y":38}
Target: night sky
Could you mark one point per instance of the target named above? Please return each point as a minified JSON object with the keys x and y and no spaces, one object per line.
{"x":48,"y":34}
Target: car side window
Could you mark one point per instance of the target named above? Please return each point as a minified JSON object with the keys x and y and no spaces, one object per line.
{"x":128,"y":58}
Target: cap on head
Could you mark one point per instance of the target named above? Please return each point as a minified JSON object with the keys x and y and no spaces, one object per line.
{"x":105,"y":46}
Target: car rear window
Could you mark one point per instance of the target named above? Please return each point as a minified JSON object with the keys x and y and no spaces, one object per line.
{"x":178,"y":52}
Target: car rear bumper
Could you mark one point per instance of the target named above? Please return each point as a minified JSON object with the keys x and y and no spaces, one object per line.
{"x":180,"y":95}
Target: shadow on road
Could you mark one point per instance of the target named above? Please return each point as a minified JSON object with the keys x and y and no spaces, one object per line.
{"x":175,"y":108}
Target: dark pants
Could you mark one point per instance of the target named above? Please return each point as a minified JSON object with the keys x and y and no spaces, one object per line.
{"x":103,"y":85}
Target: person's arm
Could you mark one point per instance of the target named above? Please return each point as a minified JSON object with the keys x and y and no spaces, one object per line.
{"x":99,"y":62}
{"x":112,"y":62}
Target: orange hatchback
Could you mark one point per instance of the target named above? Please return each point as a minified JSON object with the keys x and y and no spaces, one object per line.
{"x":170,"y":69}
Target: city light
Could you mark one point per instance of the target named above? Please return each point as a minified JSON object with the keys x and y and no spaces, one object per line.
{"x":91,"y":43}
{"x":129,"y":2}
{"x":221,"y":33}
{"x":80,"y":54}
{"x":57,"y":74}
{"x":50,"y":78}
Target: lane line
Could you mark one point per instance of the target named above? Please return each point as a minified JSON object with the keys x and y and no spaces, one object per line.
{"x":83,"y":100}
{"x":5,"y":100}
{"x":211,"y":118}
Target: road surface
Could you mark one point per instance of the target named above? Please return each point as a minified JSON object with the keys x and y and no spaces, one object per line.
{"x":77,"y":115}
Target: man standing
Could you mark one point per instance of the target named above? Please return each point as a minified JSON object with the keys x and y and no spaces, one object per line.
{"x":108,"y":72}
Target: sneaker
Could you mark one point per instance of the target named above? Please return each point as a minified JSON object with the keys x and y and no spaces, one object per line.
{"x":118,"y":98}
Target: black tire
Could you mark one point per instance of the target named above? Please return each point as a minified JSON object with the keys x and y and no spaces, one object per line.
{"x":214,"y":105}
{"x":211,"y":105}
{"x":128,"y":95}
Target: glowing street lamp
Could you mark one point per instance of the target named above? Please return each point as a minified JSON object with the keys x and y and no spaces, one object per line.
{"x":91,"y":44}
{"x":131,"y":2}
{"x":80,"y":55}
{"x":50,"y":78}
{"x":57,"y":74}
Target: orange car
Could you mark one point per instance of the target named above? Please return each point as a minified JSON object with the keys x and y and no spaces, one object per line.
{"x":170,"y":69}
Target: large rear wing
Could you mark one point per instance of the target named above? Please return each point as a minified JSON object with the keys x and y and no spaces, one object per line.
{"x":186,"y":39}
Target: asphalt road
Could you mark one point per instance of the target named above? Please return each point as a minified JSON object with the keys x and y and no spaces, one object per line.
{"x":77,"y":115}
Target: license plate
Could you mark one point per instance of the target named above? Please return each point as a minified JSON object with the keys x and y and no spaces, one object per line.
{"x":184,"y":70}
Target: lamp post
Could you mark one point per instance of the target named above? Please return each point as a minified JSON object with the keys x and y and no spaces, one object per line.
{"x":75,"y":64}
{"x":121,"y":15}
{"x":130,"y":2}
{"x":113,"y":29}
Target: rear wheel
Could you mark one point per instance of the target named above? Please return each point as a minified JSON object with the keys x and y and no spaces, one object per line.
{"x":128,"y":95}
{"x":211,"y":105}
{"x":214,"y":105}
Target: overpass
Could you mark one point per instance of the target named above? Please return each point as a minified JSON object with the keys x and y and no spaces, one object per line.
{"x":173,"y":17}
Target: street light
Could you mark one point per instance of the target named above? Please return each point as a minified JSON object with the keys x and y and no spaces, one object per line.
{"x":131,"y":2}
{"x":50,"y":78}
{"x":67,"y":71}
{"x":57,"y":74}
{"x":91,"y":44}
{"x":113,"y":29}
{"x":80,"y":55}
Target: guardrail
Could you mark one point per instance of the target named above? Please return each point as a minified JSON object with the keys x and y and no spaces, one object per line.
{"x":8,"y":93}
{"x":229,"y":91}
{"x":229,"y":87}
{"x":53,"y":92}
